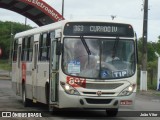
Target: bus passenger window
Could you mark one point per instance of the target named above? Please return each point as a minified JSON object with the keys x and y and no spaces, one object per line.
{"x":27,"y":49}
{"x":30,"y":48}
{"x":24,"y":49}
{"x":44,"y":47}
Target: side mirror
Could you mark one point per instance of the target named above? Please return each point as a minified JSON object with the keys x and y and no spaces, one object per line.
{"x":137,"y":49}
{"x":58,"y":48}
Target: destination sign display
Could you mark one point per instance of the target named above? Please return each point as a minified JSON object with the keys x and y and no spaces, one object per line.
{"x":98,"y":29}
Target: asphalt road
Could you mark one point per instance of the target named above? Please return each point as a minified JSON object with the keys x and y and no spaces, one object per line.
{"x":10,"y":102}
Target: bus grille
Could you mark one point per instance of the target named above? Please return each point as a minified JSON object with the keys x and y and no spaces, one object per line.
{"x":98,"y":101}
{"x":95,"y":93}
{"x":104,"y":86}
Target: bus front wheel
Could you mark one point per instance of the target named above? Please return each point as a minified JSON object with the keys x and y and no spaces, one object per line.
{"x":112,"y":112}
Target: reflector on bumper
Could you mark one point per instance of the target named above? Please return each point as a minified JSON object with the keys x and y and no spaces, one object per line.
{"x":126,"y":102}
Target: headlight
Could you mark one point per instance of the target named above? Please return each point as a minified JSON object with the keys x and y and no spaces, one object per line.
{"x":69,"y":89}
{"x":128,"y":91}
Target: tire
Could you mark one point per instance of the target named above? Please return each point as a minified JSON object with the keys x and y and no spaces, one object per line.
{"x":56,"y":110}
{"x":26,"y":102}
{"x":112,"y":112}
{"x":47,"y":93}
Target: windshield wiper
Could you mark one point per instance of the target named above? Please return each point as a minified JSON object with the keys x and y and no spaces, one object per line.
{"x":115,"y":45}
{"x":85,"y":45}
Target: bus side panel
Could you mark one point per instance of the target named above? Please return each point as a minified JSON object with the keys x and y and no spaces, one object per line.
{"x":14,"y":77}
{"x":42,"y":78}
{"x":17,"y":74}
{"x":16,"y":66}
{"x":29,"y":80}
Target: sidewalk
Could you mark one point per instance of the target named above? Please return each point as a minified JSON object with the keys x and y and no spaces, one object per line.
{"x":5,"y":75}
{"x":150,"y":93}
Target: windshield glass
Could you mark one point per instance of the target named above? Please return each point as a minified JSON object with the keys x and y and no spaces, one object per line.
{"x":108,"y":58}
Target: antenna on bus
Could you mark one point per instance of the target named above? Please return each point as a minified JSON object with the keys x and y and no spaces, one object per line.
{"x":113,"y":16}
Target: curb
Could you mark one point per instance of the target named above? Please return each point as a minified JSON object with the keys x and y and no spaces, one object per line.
{"x":150,"y":93}
{"x":5,"y":77}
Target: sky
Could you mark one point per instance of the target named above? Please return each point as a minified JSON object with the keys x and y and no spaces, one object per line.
{"x":128,"y":11}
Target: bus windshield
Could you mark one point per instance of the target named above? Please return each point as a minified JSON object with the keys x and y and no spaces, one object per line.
{"x":108,"y":58}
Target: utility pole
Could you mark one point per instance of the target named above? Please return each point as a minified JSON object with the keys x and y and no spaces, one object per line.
{"x":145,"y":26}
{"x":25,"y":22}
{"x":11,"y":42}
{"x":11,"y":38}
{"x":143,"y":85}
{"x":62,"y":8}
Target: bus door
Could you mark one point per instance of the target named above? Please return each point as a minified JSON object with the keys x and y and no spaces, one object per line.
{"x":54,"y":75}
{"x":34,"y":71}
{"x":19,"y":71}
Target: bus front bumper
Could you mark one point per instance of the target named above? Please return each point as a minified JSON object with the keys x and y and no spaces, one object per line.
{"x":75,"y":101}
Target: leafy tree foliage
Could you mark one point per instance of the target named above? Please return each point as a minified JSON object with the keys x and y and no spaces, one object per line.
{"x":152,"y":47}
{"x":7,"y":31}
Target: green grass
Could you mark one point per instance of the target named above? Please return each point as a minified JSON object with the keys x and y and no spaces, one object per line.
{"x":149,"y":86}
{"x":153,"y":86}
{"x":5,"y":65}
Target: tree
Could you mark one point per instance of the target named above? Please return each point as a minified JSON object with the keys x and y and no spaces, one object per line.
{"x":151,"y":58}
{"x":6,"y":30}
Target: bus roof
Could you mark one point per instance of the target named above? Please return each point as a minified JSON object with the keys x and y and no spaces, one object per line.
{"x":41,"y":29}
{"x":53,"y":26}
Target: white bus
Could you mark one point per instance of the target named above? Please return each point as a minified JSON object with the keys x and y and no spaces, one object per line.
{"x":77,"y":64}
